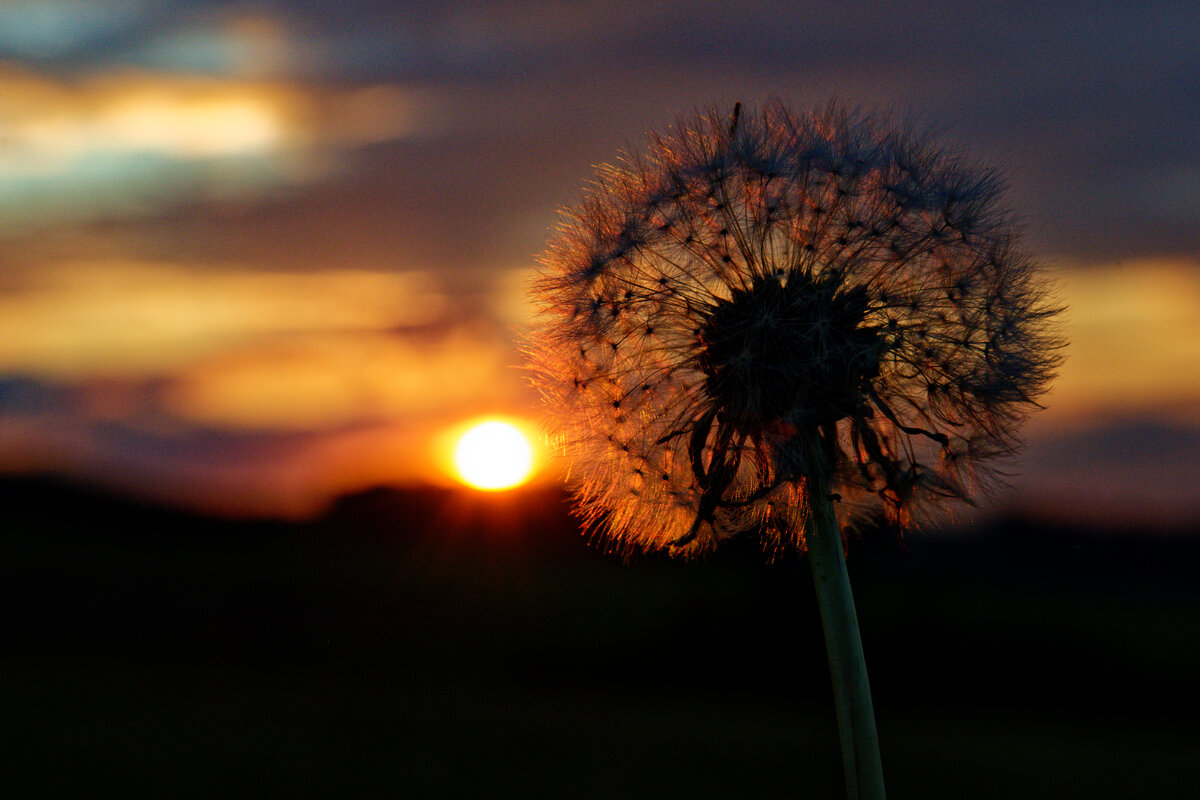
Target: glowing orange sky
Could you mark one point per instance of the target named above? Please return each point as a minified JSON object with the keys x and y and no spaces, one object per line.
{"x":253,"y":258}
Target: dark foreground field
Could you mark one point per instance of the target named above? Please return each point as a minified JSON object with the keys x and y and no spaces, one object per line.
{"x":440,"y":644}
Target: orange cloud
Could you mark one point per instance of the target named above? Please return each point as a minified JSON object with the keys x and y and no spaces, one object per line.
{"x":72,"y":320}
{"x":317,"y":381}
{"x":1134,"y":342}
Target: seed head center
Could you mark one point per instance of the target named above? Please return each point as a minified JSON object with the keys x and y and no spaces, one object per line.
{"x":788,"y":349}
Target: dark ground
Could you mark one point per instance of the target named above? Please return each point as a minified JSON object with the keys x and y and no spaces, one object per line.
{"x":447,"y":644}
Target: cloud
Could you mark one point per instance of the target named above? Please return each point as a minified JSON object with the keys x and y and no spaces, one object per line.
{"x":275,"y":429}
{"x":1134,"y":340}
{"x":1121,"y":471}
{"x":329,"y":380}
{"x":228,"y":42}
{"x":239,"y":390}
{"x":58,"y":133}
{"x":82,"y":319}
{"x":125,"y":142}
{"x":42,"y":29}
{"x":234,"y":473}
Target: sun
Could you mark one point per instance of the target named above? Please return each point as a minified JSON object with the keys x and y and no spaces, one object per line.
{"x":493,"y":455}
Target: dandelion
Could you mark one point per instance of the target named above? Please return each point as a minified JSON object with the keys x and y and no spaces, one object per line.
{"x":778,"y":325}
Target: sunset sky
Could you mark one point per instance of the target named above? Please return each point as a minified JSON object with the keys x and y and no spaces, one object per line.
{"x":253,"y":255}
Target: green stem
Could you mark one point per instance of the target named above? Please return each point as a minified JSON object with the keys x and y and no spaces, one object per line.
{"x":851,"y":690}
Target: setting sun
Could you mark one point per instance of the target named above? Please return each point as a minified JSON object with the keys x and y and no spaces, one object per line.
{"x":493,"y":455}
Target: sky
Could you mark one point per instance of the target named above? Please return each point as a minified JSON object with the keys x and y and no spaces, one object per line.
{"x":254,"y":255}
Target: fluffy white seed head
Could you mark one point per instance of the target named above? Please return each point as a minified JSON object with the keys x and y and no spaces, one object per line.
{"x":768,"y":301}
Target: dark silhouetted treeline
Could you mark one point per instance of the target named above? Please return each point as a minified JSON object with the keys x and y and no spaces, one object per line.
{"x":444,"y":643}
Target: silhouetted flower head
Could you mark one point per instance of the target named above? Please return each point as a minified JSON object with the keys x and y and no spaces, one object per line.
{"x":766,"y":303}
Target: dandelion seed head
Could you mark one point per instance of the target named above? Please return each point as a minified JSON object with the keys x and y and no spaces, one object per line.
{"x":767,"y":302}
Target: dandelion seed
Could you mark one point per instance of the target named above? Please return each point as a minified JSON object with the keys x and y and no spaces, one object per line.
{"x":809,"y":300}
{"x":814,"y":310}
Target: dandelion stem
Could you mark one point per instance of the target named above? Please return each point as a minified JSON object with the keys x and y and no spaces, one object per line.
{"x":847,"y":667}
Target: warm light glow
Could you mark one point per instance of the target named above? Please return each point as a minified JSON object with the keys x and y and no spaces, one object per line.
{"x":119,"y":317}
{"x":493,"y":455}
{"x":204,"y":126}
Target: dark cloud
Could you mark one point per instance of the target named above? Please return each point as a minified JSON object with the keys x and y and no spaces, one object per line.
{"x":1088,"y":108}
{"x":1123,"y":471}
{"x":24,"y":395}
{"x":136,"y":447}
